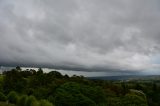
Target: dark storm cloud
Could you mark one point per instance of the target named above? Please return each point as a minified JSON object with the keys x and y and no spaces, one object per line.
{"x":80,"y":34}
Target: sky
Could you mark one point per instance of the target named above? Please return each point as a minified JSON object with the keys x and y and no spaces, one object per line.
{"x":116,"y":36}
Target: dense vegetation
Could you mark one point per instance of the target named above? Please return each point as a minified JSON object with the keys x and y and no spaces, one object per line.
{"x":36,"y":88}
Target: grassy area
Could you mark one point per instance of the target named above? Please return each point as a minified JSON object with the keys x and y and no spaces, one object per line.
{"x":4,"y":104}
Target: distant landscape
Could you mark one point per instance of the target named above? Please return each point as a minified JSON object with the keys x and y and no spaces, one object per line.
{"x":79,"y":52}
{"x":36,"y":88}
{"x":128,"y":77}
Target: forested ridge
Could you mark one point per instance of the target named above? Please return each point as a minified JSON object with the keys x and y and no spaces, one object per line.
{"x":35,"y":88}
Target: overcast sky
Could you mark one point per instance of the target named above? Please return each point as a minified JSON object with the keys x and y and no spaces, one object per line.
{"x":97,"y":35}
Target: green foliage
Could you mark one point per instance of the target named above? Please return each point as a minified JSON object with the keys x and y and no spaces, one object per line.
{"x":13,"y":81}
{"x":41,"y":93}
{"x":114,"y":101}
{"x":6,"y":104}
{"x":94,"y":93}
{"x":31,"y":101}
{"x":55,"y":74}
{"x":40,"y":71}
{"x":125,"y":89}
{"x":69,"y":95}
{"x":109,"y":93}
{"x":12,"y":97}
{"x":1,"y":78}
{"x":51,"y":99}
{"x":2,"y":97}
{"x":1,"y":82}
{"x":18,"y":68}
{"x":22,"y":100}
{"x":45,"y":103}
{"x":138,"y":93}
{"x":48,"y":89}
{"x":134,"y":100}
{"x":26,"y":73}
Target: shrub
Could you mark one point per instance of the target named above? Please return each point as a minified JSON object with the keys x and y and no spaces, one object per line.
{"x":22,"y":100}
{"x":12,"y":97}
{"x":45,"y":103}
{"x":51,"y":99}
{"x":2,"y":97}
{"x":31,"y":101}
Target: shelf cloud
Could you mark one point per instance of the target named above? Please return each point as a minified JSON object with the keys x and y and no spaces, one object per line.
{"x":81,"y":34}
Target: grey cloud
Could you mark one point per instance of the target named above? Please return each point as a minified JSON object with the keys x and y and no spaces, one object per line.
{"x":90,"y":34}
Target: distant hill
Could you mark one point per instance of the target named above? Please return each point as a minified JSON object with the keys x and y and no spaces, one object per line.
{"x":2,"y":69}
{"x":127,"y":77}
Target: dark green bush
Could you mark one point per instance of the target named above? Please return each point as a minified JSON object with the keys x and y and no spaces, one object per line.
{"x":31,"y":101}
{"x":69,"y":94}
{"x":134,"y":100}
{"x":22,"y":100}
{"x":12,"y":97}
{"x":45,"y":103}
{"x":2,"y":97}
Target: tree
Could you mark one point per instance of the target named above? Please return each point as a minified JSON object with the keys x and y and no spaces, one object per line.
{"x":33,"y":71}
{"x":69,"y":94}
{"x":18,"y":68}
{"x":12,"y":97}
{"x":31,"y":101}
{"x":138,"y":86}
{"x":94,"y":93}
{"x":114,"y":101}
{"x":26,"y":73}
{"x":40,"y":71}
{"x":13,"y":81}
{"x":124,"y":88}
{"x":22,"y":100}
{"x":54,"y":74}
{"x":154,"y":87}
{"x":134,"y":100}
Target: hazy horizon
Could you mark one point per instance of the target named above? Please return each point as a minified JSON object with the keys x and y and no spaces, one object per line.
{"x":79,"y":72}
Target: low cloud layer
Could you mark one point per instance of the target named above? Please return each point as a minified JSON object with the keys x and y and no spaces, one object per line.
{"x":81,"y":34}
